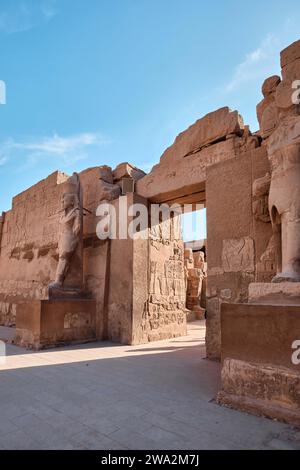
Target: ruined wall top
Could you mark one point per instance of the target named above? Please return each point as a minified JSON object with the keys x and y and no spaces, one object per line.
{"x":54,"y":179}
{"x":210,"y":129}
{"x":218,"y":136}
{"x":279,"y":92}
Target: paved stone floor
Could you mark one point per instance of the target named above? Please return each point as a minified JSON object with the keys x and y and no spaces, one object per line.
{"x":106,"y":396}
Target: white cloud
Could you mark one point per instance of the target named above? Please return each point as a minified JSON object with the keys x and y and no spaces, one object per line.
{"x":22,"y":15}
{"x":57,"y":145}
{"x":264,"y":61}
{"x":257,"y":65}
{"x":64,"y":151}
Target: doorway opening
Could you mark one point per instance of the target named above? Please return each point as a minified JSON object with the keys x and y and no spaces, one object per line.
{"x":194,"y":237}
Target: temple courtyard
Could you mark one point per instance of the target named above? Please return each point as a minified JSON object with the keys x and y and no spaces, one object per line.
{"x":108,"y":396}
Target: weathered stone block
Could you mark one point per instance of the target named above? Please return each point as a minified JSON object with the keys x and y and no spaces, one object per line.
{"x":285,"y":293}
{"x":291,"y":71}
{"x":126,"y":170}
{"x":270,"y":84}
{"x":261,"y":389}
{"x":48,"y":323}
{"x":290,"y":53}
{"x":211,"y":128}
{"x":213,"y":328}
{"x":260,"y":333}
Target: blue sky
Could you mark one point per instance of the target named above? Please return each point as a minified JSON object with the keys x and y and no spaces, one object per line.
{"x":93,"y":82}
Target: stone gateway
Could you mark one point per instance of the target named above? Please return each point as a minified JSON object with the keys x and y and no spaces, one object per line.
{"x":61,"y":283}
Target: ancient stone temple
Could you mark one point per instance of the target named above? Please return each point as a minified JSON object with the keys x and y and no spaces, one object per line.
{"x":62,"y":282}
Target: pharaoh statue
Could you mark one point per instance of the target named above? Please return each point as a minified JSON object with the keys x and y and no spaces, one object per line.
{"x":280,"y":125}
{"x":70,"y":234}
{"x":284,"y":198}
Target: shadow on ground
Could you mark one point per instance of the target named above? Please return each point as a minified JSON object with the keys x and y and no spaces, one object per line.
{"x":106,"y":396}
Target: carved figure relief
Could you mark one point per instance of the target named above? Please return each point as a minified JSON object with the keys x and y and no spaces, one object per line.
{"x":238,"y":255}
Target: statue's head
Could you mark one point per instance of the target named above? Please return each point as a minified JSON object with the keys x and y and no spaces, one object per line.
{"x":188,"y":255}
{"x":69,"y":200}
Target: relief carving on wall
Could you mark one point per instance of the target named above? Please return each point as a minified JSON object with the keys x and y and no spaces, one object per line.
{"x":167,"y":289}
{"x":77,"y":320}
{"x":260,"y":194}
{"x":266,"y":267}
{"x":238,"y":255}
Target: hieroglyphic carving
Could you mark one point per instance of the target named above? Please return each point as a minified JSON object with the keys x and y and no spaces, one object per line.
{"x":77,"y":320}
{"x":238,"y":255}
{"x":167,"y":291}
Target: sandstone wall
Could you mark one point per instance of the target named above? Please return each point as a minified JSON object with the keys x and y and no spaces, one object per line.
{"x":28,"y":253}
{"x":95,"y":251}
{"x":118,"y":311}
{"x":217,"y":161}
{"x":181,"y":173}
{"x":28,"y":256}
{"x":164,"y":314}
{"x":237,"y":236}
{"x":146,"y":292}
{"x":132,"y":305}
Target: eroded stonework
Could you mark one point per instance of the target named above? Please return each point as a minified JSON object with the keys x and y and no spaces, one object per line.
{"x":258,"y":389}
{"x":260,"y":190}
{"x":165,"y":314}
{"x":260,"y":369}
{"x":238,"y":255}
